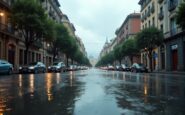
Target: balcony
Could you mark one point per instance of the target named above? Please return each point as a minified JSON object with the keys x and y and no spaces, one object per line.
{"x":6,"y":29}
{"x":172,"y":4}
{"x":172,"y":32}
{"x":161,"y":15}
{"x":160,"y":1}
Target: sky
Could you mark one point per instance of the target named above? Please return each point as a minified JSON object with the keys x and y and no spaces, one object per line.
{"x":97,"y":20}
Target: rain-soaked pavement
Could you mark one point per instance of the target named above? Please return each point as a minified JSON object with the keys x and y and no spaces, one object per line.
{"x":92,"y":92}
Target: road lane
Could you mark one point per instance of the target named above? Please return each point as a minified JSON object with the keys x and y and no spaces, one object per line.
{"x":92,"y":92}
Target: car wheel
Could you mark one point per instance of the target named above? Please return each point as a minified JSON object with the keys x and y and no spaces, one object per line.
{"x":44,"y":71}
{"x":10,"y":71}
{"x":135,"y":71}
{"x":35,"y":71}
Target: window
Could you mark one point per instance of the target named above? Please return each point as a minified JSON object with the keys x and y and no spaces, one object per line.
{"x":161,"y":27}
{"x":153,"y":21}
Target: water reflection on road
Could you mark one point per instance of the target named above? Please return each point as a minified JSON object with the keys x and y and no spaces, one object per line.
{"x":92,"y":92}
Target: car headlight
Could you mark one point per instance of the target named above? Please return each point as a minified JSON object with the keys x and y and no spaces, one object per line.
{"x":58,"y":67}
{"x":32,"y":67}
{"x":49,"y":67}
{"x":20,"y":67}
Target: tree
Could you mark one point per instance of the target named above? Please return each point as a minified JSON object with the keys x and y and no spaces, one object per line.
{"x":118,"y":54}
{"x":149,"y":38}
{"x":129,"y":48}
{"x":180,"y":15}
{"x":29,"y":18}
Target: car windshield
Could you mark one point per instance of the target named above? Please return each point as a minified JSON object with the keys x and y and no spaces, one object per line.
{"x":33,"y":63}
{"x":55,"y":63}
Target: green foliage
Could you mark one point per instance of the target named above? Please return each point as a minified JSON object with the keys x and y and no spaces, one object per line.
{"x":129,"y":47}
{"x":149,"y":38}
{"x":29,"y":18}
{"x":180,"y":15}
{"x":117,"y":53}
{"x":107,"y":59}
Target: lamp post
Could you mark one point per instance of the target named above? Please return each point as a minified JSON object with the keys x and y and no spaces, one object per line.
{"x":1,"y":13}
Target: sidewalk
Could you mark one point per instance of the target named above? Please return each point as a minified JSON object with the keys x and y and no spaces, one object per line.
{"x":170,"y":72}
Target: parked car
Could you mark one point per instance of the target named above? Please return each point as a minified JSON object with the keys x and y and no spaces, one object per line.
{"x":34,"y":67}
{"x":5,"y":67}
{"x":71,"y":68}
{"x":118,"y":68}
{"x":138,"y":68}
{"x":125,"y":68}
{"x":110,"y":67}
{"x":57,"y":67}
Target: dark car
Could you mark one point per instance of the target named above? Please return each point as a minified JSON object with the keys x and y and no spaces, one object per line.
{"x":34,"y":67}
{"x":5,"y":67}
{"x":138,"y":68}
{"x":57,"y":67}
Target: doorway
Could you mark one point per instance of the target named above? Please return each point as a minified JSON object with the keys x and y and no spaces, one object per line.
{"x":11,"y":53}
{"x":174,"y":59}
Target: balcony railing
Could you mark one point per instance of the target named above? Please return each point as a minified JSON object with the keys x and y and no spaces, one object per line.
{"x":161,"y":15}
{"x":172,"y":32}
{"x":6,"y":28}
{"x":172,"y":4}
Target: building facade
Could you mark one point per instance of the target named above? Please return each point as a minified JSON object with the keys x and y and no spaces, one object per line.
{"x":129,"y":28}
{"x":12,"y":47}
{"x":161,"y":14}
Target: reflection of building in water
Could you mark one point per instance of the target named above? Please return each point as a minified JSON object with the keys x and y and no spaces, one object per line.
{"x":49,"y":86}
{"x":71,"y":78}
{"x":31,"y":83}
{"x":58,"y":78}
{"x":20,"y":86}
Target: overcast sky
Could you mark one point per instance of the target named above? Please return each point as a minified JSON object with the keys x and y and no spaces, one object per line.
{"x":96,"y":20}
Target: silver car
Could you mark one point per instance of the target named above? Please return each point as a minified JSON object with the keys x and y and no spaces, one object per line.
{"x":34,"y":67}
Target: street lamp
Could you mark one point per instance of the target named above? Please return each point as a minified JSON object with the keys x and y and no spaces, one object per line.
{"x":1,"y":13}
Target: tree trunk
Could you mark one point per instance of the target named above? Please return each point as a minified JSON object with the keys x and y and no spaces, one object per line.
{"x":150,"y":59}
{"x":54,"y":54}
{"x":131,"y":59}
{"x":67,"y":60}
{"x":72,"y":61}
{"x":120,"y":61}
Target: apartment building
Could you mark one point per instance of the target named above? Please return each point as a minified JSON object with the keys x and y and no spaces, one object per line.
{"x":129,"y":28}
{"x":9,"y":38}
{"x":12,"y":47}
{"x":70,"y":27}
{"x":161,"y":14}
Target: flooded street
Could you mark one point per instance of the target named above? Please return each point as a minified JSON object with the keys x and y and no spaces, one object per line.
{"x":92,"y":92}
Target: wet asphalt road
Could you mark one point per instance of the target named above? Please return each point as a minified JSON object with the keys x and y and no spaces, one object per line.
{"x":92,"y":92}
